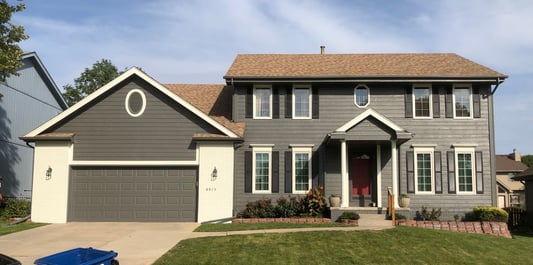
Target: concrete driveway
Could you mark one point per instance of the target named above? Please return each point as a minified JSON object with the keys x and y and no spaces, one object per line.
{"x":135,"y":243}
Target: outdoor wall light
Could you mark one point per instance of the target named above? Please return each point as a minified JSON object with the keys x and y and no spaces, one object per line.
{"x":214,"y":174}
{"x":49,"y":173}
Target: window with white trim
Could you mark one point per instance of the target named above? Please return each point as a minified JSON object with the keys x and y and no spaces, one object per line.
{"x":422,"y":101}
{"x":462,"y":101}
{"x":424,"y":170}
{"x":262,"y":170}
{"x":301,"y":169}
{"x":262,"y":102}
{"x":465,"y":166}
{"x":301,"y":96}
{"x":361,"y":96}
{"x":135,"y":102}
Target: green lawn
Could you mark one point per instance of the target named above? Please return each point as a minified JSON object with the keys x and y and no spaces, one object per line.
{"x":8,"y":229}
{"x":401,"y":245}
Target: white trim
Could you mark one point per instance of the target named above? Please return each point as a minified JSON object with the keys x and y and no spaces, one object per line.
{"x":115,"y":82}
{"x":132,"y":163}
{"x":394,"y":158}
{"x":127,"y":102}
{"x":261,"y":145}
{"x":430,"y":151}
{"x":345,"y":188}
{"x":254,"y":109}
{"x":267,"y":150}
{"x":301,"y":145}
{"x":472,"y":152}
{"x":369,"y":112}
{"x":464,"y":145}
{"x":469,"y":86}
{"x":310,"y":101}
{"x":309,"y":152}
{"x":367,"y":95}
{"x":429,"y":88}
{"x":378,"y":174}
{"x":342,"y":79}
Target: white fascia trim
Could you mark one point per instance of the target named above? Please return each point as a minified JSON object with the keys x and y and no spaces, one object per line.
{"x":133,"y":163}
{"x":366,"y":114}
{"x":116,"y":81}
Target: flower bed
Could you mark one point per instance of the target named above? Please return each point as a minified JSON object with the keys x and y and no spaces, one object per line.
{"x":292,"y":220}
{"x":491,"y":228}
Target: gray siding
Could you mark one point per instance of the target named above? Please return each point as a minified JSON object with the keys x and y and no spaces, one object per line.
{"x":105,"y":131}
{"x":337,"y":107}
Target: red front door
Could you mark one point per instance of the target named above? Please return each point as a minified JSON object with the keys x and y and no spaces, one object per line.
{"x":360,"y":176}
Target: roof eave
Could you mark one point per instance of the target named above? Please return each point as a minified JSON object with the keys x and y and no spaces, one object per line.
{"x":275,"y":79}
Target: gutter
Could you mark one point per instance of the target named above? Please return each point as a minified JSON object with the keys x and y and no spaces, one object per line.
{"x":498,"y":82}
{"x":366,"y":80}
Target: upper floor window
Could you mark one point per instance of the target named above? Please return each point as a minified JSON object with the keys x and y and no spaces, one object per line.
{"x":262,"y":102}
{"x":135,"y":103}
{"x":465,"y":165}
{"x":302,"y":102}
{"x":462,"y":101}
{"x":422,"y":101}
{"x":262,"y":173}
{"x":361,"y":96}
{"x":423,"y":170}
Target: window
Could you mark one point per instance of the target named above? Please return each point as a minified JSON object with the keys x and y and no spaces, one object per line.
{"x":135,"y":103}
{"x":422,"y":101}
{"x":464,"y":163}
{"x":462,"y":101}
{"x":262,"y":102}
{"x":301,"y":158}
{"x":424,"y":170}
{"x":262,"y":170}
{"x":361,"y":96}
{"x":302,"y":102}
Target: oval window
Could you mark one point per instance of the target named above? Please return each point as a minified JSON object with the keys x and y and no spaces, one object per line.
{"x":135,"y":103}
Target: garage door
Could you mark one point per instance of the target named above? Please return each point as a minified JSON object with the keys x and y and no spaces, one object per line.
{"x":132,"y":194}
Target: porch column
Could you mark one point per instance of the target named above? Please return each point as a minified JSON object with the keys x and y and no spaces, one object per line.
{"x":395,"y":189}
{"x":378,"y":170}
{"x":345,"y":193}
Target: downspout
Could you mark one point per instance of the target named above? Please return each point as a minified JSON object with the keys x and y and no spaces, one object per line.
{"x":492,"y":143}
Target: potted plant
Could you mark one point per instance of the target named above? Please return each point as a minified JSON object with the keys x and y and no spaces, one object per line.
{"x":404,"y":200}
{"x":334,"y":200}
{"x":349,"y":218}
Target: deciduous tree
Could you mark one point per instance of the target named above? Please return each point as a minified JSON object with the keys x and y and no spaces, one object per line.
{"x":10,"y":36}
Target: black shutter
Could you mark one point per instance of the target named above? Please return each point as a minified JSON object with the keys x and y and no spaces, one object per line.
{"x":408,"y":102}
{"x":288,"y":172}
{"x":449,"y":102}
{"x":315,"y":103}
{"x":275,"y":172}
{"x":248,"y":171}
{"x":477,"y":102}
{"x":479,"y":172}
{"x":249,"y":103}
{"x":410,"y":171}
{"x":436,"y":103}
{"x":438,"y":171}
{"x":451,"y":171}
{"x":315,"y":169}
{"x":275,"y":103}
{"x":288,"y":103}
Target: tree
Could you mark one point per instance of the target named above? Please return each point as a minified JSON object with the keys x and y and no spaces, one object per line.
{"x":90,"y":80}
{"x":10,"y":36}
{"x":528,"y":160}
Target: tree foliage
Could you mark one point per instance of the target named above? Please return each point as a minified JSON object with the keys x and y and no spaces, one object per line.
{"x":528,"y":160}
{"x":10,"y":36}
{"x":101,"y":73}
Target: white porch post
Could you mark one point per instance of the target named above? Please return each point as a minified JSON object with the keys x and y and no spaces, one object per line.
{"x":344,"y":176}
{"x":378,"y":170}
{"x":395,"y":189}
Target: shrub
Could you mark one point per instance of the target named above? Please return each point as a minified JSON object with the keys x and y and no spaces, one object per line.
{"x":349,"y":216}
{"x":287,"y":208}
{"x":16,"y":208}
{"x":258,"y":209}
{"x":489,"y":213}
{"x":424,"y":214}
{"x":314,"y":204}
{"x":398,"y":216}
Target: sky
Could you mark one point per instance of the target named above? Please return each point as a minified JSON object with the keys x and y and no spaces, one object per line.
{"x":196,"y":41}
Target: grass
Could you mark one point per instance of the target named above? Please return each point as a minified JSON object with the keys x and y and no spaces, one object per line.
{"x":257,"y":226}
{"x":401,"y":245}
{"x":5,"y":228}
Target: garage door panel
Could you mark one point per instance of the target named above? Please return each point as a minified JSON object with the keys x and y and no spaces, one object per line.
{"x":132,"y":194}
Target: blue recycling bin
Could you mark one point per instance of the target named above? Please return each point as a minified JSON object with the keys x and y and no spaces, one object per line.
{"x":80,"y":256}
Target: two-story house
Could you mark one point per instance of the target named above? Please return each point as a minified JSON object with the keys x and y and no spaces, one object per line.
{"x":137,"y":150}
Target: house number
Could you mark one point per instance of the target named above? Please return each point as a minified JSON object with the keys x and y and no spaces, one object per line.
{"x":211,"y":189}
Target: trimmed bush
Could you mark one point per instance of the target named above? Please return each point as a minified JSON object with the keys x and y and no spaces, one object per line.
{"x":287,"y":208}
{"x":349,"y":216}
{"x":258,"y":209}
{"x":491,"y":214}
{"x":15,"y":208}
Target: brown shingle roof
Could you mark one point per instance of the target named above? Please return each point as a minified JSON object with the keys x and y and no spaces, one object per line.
{"x":408,"y":65}
{"x":506,"y":164}
{"x":213,"y":100}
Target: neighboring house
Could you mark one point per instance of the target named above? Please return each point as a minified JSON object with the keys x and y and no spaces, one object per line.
{"x":26,"y":101}
{"x":510,"y":192}
{"x":526,"y":177}
{"x":137,"y":150}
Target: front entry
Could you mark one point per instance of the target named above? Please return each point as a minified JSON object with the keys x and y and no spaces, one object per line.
{"x":361,"y":180}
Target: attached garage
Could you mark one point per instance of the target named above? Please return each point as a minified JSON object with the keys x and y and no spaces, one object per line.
{"x":156,"y":194}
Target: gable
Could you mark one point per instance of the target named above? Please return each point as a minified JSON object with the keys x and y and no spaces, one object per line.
{"x":370,"y":129}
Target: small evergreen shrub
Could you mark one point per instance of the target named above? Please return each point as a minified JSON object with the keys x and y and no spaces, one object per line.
{"x":15,"y":208}
{"x":491,"y":214}
{"x":349,"y":216}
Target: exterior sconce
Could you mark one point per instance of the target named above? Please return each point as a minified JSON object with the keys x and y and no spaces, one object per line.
{"x":48,"y":173}
{"x":214,"y":174}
